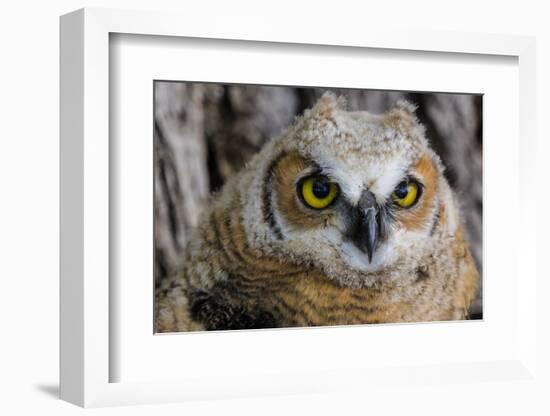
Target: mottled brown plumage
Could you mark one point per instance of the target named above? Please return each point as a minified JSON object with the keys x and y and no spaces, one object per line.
{"x":261,"y":257}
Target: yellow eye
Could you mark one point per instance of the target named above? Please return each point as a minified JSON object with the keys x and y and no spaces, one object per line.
{"x":318,"y":192}
{"x":405,"y":194}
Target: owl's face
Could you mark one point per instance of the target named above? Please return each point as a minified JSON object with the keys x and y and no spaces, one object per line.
{"x":352,"y":193}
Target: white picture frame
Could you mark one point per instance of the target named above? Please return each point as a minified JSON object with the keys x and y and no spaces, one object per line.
{"x":87,"y":302}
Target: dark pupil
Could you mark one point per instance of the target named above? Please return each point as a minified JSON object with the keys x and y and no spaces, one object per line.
{"x":402,"y":190}
{"x":321,"y":188}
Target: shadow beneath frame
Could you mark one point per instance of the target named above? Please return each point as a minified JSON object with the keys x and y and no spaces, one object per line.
{"x":51,"y":390}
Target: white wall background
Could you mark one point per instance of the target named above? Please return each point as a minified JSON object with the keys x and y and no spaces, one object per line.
{"x":29,"y":115}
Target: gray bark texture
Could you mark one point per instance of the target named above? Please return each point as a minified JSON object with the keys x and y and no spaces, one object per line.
{"x":205,"y":133}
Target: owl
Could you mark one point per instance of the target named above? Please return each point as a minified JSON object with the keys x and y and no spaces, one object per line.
{"x":345,"y":218}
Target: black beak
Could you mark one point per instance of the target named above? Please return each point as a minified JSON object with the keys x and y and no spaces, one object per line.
{"x":366,"y":227}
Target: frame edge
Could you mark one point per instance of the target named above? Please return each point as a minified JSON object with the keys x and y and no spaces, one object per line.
{"x":71,"y":216}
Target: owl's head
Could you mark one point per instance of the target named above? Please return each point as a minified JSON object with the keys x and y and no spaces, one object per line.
{"x":356,"y":195}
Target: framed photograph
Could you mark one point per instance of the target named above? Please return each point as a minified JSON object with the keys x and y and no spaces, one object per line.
{"x":281,"y":206}
{"x":277,"y":213}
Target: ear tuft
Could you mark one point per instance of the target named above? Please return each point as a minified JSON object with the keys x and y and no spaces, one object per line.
{"x":327,"y":105}
{"x":402,"y":114}
{"x":406,"y":107}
